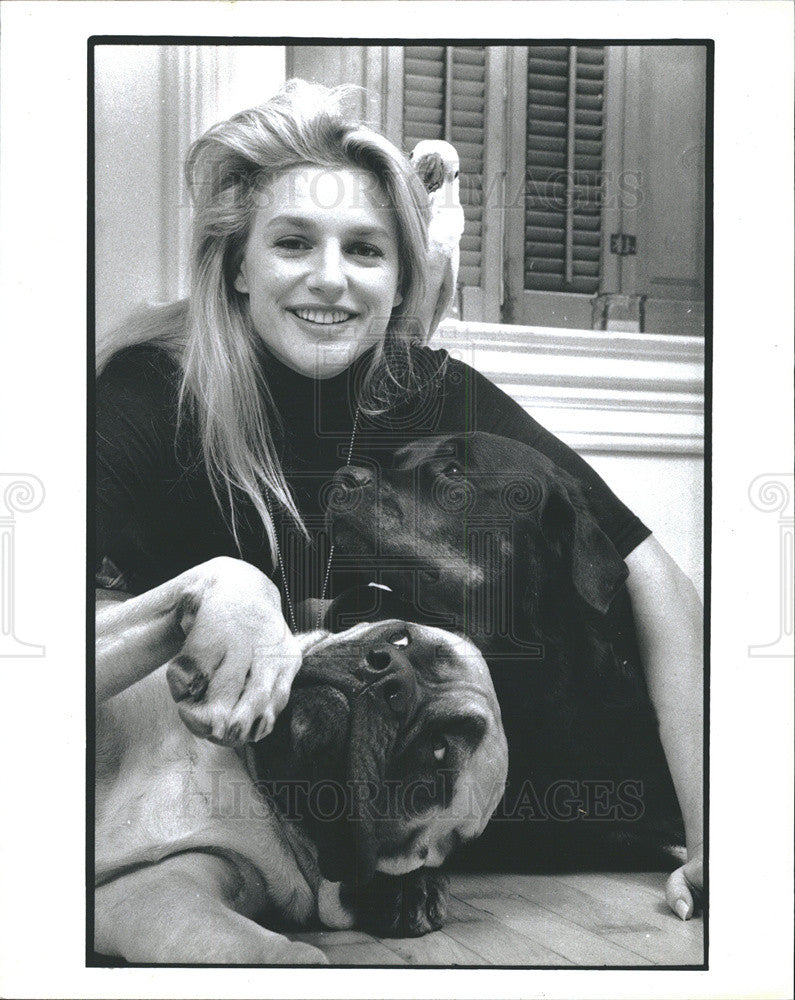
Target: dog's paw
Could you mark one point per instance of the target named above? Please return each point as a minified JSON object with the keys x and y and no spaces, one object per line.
{"x":233,"y":674}
{"x":403,"y":905}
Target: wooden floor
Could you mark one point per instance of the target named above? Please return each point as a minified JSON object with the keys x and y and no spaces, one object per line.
{"x":595,"y":919}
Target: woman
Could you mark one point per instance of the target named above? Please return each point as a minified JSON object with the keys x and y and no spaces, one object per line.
{"x":297,"y":350}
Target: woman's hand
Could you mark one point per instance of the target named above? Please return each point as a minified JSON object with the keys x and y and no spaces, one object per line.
{"x":684,"y":889}
{"x":233,"y":674}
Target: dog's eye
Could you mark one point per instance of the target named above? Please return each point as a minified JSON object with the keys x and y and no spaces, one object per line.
{"x":399,"y":638}
{"x":440,"y":750}
{"x":452,"y":470}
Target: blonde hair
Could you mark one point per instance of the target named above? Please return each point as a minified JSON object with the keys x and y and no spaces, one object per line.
{"x":223,"y":382}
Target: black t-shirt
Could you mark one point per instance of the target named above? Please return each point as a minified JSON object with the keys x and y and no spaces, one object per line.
{"x":156,"y":515}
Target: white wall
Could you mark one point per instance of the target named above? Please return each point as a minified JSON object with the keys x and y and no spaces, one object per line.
{"x":129,"y":182}
{"x":151,"y":102}
{"x":667,"y":494}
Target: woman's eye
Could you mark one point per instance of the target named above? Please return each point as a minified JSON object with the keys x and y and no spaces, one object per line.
{"x":400,"y":639}
{"x":440,"y":750}
{"x":365,"y":250}
{"x":292,"y":243}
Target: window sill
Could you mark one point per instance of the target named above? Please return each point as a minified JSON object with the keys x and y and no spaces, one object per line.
{"x":598,"y":391}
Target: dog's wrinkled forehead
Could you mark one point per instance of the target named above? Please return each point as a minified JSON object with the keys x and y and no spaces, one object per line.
{"x":459,"y":662}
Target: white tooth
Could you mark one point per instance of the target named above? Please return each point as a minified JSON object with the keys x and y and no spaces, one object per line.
{"x":322,"y":316}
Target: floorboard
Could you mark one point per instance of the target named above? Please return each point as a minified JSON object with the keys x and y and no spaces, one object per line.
{"x":586,"y":918}
{"x":557,"y":934}
{"x":434,"y":949}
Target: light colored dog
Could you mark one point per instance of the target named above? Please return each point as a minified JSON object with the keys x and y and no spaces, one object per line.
{"x":221,"y":805}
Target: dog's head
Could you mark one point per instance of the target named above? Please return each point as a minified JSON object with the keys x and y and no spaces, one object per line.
{"x":475,"y":532}
{"x":393,"y":743}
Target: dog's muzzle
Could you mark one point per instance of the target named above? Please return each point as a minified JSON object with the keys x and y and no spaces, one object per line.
{"x":390,"y":680}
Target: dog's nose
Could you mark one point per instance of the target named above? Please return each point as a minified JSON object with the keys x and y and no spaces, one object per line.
{"x":353,"y":477}
{"x":391,"y":678}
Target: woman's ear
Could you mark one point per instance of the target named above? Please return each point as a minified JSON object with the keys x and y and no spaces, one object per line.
{"x":241,"y":281}
{"x":398,"y":298}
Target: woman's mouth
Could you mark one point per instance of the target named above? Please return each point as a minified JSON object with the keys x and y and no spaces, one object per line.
{"x":324,"y":317}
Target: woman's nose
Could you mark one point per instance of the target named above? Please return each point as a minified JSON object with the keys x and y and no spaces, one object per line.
{"x":327,"y":275}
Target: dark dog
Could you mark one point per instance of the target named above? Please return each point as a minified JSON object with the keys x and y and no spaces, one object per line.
{"x":388,"y":754}
{"x":484,"y":536}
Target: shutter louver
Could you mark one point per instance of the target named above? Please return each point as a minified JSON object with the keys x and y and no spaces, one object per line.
{"x":444,"y":97}
{"x":563,"y":212}
{"x":423,"y":94}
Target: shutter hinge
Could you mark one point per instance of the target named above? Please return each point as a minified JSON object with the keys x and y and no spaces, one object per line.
{"x":623,"y":245}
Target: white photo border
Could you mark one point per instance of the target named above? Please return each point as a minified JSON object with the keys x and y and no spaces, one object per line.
{"x":43,"y":172}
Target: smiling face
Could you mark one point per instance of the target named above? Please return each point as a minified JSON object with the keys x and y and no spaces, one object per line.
{"x":321,"y":267}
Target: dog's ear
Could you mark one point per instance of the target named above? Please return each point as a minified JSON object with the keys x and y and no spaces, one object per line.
{"x":597,"y":570}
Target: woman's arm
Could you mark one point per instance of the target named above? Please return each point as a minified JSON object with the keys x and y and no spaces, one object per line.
{"x":669,"y":624}
{"x":154,"y":514}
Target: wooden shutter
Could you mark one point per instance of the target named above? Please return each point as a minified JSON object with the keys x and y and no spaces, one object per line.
{"x":423,"y":94}
{"x":444,"y":97}
{"x":563,"y":204}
